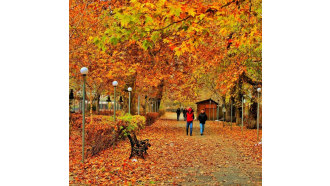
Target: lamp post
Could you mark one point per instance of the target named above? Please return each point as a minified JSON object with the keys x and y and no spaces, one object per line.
{"x":258,"y":90}
{"x":83,"y":71}
{"x":243,"y":101}
{"x":129,"y":99}
{"x":114,"y":84}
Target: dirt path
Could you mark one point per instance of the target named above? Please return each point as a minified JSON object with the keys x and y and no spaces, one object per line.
{"x":220,"y":157}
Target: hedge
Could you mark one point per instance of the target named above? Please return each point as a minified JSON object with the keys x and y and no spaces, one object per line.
{"x":151,"y":117}
{"x":103,"y":132}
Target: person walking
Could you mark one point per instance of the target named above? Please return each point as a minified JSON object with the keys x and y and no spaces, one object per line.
{"x":202,"y":117}
{"x":190,"y":119}
{"x":184,"y":112}
{"x":178,"y":111}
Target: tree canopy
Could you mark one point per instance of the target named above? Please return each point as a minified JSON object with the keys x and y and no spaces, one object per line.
{"x":173,"y":46}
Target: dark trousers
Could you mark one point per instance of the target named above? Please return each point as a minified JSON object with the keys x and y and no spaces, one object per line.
{"x":178,"y":117}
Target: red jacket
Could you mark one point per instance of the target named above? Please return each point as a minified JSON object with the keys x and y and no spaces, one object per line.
{"x":190,"y":115}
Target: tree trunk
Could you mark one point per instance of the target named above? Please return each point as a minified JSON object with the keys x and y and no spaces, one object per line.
{"x":131,"y":82}
{"x":98,"y":103}
{"x":159,"y":93}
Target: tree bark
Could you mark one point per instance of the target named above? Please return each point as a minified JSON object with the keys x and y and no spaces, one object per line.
{"x":159,"y":93}
{"x":98,"y":103}
{"x":131,"y":82}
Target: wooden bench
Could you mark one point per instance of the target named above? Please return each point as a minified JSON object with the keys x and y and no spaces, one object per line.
{"x":138,"y":148}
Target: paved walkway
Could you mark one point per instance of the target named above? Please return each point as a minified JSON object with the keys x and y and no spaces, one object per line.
{"x":210,"y":159}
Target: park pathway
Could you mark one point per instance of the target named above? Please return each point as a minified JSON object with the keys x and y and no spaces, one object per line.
{"x":211,"y":159}
{"x":220,"y":157}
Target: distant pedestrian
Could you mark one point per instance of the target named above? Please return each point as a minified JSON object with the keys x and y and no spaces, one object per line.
{"x":178,"y":111}
{"x":184,"y":114}
{"x":202,"y":118}
{"x":190,"y":119}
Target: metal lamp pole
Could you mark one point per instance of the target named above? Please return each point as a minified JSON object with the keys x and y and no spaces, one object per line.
{"x":84,"y":72}
{"x":258,"y":90}
{"x":114,"y":84}
{"x":129,"y":99}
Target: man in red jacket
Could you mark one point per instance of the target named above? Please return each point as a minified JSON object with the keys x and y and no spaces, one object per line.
{"x":190,"y":119}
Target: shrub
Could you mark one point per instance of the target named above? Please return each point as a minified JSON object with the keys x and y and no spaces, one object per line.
{"x":135,"y":122}
{"x":103,"y":132}
{"x":151,"y":118}
{"x":100,"y":135}
{"x":161,"y":112}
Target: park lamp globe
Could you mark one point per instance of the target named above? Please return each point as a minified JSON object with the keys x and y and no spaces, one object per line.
{"x":259,"y":89}
{"x":84,"y":70}
{"x":114,"y":83}
{"x":129,"y":89}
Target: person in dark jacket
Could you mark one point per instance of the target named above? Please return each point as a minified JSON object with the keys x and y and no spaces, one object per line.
{"x":184,"y":114}
{"x":202,"y":118}
{"x":178,"y":111}
{"x":190,"y":119}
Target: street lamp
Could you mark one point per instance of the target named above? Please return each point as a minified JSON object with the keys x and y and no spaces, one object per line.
{"x":83,"y":71}
{"x":258,"y":90}
{"x":114,"y":84}
{"x":129,"y":99}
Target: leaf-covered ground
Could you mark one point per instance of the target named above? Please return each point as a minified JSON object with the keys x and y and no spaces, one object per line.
{"x":220,"y":157}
